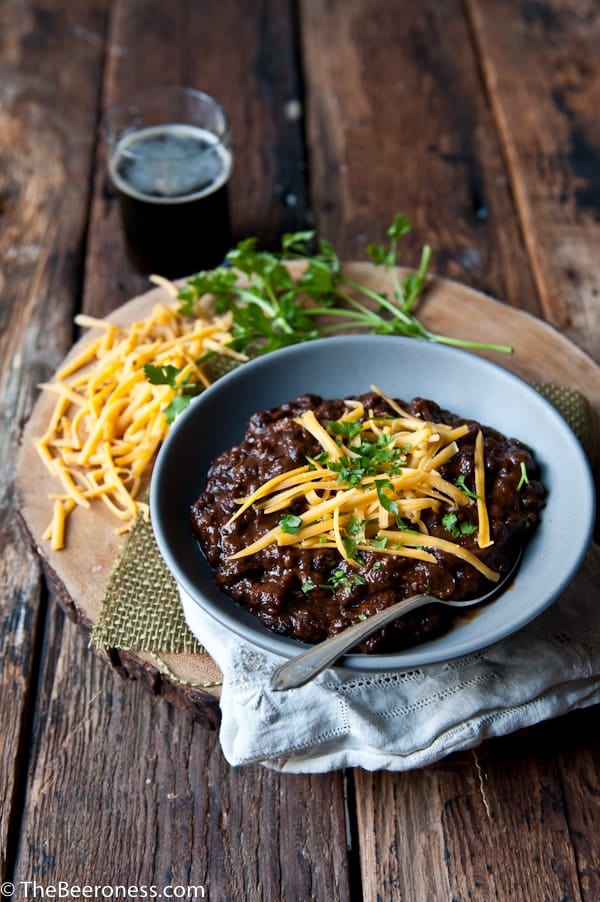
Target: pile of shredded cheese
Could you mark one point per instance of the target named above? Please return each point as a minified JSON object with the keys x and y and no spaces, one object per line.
{"x":108,"y":421}
{"x":324,"y":509}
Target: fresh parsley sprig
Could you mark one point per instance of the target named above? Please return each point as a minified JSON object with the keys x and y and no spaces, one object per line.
{"x":185,"y":390}
{"x":270,"y":309}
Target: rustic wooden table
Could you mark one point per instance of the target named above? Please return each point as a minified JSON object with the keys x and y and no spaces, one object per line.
{"x":479,"y":119}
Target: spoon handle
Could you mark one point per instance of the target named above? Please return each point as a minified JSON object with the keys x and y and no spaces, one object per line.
{"x":310,"y":663}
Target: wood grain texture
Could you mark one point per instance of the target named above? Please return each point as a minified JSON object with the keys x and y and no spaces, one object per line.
{"x":542,"y":70}
{"x":519,"y":799}
{"x":486,"y":824}
{"x":398,"y":121}
{"x":579,"y":770}
{"x":123,"y":791}
{"x":46,"y":155}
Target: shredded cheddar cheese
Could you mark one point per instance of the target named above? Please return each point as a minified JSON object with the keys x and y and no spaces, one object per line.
{"x":108,"y":421}
{"x":368,"y":488}
{"x":483,"y":536}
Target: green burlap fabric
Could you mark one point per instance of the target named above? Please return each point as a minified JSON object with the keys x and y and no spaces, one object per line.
{"x":141,"y":610}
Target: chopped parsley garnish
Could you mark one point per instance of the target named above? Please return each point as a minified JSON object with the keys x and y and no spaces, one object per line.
{"x":368,"y":459}
{"x":338,"y":579}
{"x":161,"y":375}
{"x":355,"y":527}
{"x":379,"y":543}
{"x":185,"y":389}
{"x":460,"y":482}
{"x":451,"y":522}
{"x":290,"y":523}
{"x":350,"y":546}
{"x":386,"y":502}
{"x":347,"y":429}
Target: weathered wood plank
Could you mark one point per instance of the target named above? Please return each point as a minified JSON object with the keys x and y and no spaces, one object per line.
{"x":398,"y":122}
{"x":127,"y":792}
{"x":49,"y":74}
{"x":579,"y":769}
{"x":242,"y":54}
{"x":442,"y":840}
{"x":542,"y":70}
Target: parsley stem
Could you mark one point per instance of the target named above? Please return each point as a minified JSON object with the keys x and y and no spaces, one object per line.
{"x":398,"y":290}
{"x":366,"y":317}
{"x":419,"y":280}
{"x":251,"y":298}
{"x":357,"y":305}
{"x":374,"y":295}
{"x":465,"y":343}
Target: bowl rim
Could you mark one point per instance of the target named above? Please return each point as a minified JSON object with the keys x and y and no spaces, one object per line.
{"x":245,"y":626}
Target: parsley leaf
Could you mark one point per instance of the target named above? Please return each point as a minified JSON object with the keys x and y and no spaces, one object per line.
{"x":185,"y":391}
{"x":177,"y":406}
{"x":350,"y":546}
{"x":451,"y":522}
{"x":379,"y":543}
{"x":161,"y":375}
{"x":460,"y":482}
{"x":290,"y":523}
{"x":386,"y":502}
{"x":338,"y":579}
{"x":354,"y":527}
{"x":348,"y":430}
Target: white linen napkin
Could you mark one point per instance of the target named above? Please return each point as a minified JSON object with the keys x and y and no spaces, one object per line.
{"x":409,"y":718}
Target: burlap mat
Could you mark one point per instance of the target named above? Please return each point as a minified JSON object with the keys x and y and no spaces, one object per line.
{"x":141,"y":610}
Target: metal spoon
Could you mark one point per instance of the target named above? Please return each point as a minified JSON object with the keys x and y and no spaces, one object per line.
{"x":307,"y":665}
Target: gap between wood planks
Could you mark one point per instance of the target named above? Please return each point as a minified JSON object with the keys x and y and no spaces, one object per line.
{"x":354,"y":872}
{"x":17,"y":804}
{"x":492,"y":100}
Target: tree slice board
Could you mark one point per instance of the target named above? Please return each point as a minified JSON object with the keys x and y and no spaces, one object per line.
{"x":79,"y":574}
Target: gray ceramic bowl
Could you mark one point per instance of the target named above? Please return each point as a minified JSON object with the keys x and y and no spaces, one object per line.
{"x":403,"y":368}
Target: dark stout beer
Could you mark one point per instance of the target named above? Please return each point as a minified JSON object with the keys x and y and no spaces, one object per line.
{"x":172,"y":186}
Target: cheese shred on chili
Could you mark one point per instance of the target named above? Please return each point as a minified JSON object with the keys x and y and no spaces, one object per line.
{"x":336,"y":501}
{"x":108,"y":421}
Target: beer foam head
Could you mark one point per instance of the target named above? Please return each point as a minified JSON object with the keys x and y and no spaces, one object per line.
{"x":170,"y":163}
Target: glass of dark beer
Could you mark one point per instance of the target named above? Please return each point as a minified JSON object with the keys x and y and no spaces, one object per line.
{"x":170,"y":161}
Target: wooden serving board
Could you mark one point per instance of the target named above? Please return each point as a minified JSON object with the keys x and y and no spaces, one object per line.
{"x":79,"y":574}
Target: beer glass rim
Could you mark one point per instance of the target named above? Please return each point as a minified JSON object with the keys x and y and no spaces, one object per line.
{"x":115,"y":135}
